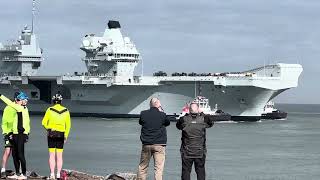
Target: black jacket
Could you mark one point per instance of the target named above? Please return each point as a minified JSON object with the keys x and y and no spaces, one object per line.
{"x":193,"y":140}
{"x":153,"y":124}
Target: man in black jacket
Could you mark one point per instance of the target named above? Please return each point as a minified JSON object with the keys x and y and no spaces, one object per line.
{"x":193,"y":141}
{"x":154,"y":139}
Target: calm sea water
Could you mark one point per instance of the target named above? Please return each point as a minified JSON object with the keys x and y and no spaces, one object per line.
{"x":268,"y":150}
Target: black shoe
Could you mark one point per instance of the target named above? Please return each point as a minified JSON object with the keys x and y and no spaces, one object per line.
{"x":3,"y":175}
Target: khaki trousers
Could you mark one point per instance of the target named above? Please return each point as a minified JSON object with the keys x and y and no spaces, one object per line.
{"x":158,"y":152}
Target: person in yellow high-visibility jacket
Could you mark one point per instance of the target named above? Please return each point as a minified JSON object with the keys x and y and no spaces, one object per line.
{"x":20,"y":133}
{"x":8,"y":116}
{"x":57,"y":122}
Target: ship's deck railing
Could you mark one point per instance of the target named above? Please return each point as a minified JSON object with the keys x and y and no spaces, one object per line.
{"x":106,"y":59}
{"x":10,"y":47}
{"x":156,"y":81}
{"x":94,"y":59}
{"x":223,"y":75}
{"x":23,"y":59}
{"x":261,"y":68}
{"x":7,"y":74}
{"x":211,"y":77}
{"x":254,"y":78}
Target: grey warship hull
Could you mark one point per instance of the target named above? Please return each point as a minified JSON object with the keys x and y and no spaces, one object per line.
{"x":244,"y":102}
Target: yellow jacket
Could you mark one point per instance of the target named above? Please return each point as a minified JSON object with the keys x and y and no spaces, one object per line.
{"x":9,"y":115}
{"x":22,"y":115}
{"x":57,"y":118}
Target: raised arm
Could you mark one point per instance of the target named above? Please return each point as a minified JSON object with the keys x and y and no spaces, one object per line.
{"x":141,"y":121}
{"x":167,"y":120}
{"x":209,"y":120}
{"x":179,"y":123}
{"x":15,"y":106}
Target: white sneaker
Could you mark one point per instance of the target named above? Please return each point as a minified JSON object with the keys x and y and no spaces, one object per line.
{"x":22,"y":177}
{"x":13,"y":177}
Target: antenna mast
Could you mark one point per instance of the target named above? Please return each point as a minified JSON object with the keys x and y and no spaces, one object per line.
{"x":141,"y":66}
{"x":195,"y":89}
{"x":33,"y":12}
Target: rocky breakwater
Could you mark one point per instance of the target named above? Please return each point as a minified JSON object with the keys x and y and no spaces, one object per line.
{"x":76,"y":175}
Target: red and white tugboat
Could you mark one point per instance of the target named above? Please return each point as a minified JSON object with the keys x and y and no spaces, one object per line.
{"x":204,"y":106}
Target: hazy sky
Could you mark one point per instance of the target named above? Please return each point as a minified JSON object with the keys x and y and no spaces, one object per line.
{"x":181,"y":35}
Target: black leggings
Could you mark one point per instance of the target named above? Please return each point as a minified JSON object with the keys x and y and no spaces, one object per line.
{"x":18,"y":152}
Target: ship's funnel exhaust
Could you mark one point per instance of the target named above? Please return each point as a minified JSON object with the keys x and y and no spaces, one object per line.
{"x":114,"y":24}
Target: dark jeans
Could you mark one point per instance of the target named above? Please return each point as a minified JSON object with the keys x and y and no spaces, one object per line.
{"x":18,"y":141}
{"x":199,"y":165}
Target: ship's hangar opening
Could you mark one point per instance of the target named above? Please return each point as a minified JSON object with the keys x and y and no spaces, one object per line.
{"x":44,"y":84}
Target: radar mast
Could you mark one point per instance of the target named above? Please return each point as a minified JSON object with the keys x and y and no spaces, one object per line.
{"x":33,"y":15}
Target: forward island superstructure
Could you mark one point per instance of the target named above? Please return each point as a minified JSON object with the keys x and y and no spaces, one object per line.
{"x":109,"y":88}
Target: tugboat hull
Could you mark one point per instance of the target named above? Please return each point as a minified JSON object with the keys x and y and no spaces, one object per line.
{"x":275,"y":115}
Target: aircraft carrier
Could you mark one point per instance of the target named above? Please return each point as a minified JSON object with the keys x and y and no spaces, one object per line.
{"x":109,"y":88}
